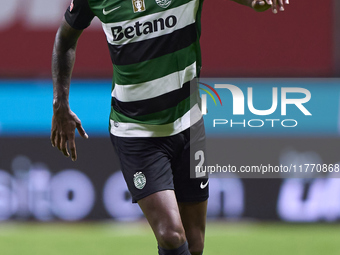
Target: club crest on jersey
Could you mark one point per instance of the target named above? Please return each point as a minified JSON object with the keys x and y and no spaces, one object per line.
{"x":163,"y":3}
{"x":139,"y":180}
{"x":138,"y":5}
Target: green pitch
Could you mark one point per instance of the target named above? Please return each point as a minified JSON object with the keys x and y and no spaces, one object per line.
{"x":136,"y":238}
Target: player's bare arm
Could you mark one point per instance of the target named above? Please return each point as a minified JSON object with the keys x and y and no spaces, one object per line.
{"x":263,"y":5}
{"x":64,"y":121}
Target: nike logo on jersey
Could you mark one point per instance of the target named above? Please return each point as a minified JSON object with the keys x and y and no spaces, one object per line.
{"x":109,"y":11}
{"x":204,"y":185}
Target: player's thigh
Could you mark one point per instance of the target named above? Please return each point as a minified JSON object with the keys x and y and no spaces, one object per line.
{"x":192,"y":189}
{"x":191,"y":186}
{"x":145,"y":165}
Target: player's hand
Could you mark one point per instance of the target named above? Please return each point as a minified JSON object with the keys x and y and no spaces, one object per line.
{"x":275,"y":5}
{"x":64,"y":123}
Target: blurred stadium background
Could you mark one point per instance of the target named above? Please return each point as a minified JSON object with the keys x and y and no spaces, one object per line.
{"x":51,"y":205}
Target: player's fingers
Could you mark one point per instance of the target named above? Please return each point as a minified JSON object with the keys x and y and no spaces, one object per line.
{"x":256,"y":3}
{"x":57,"y":141}
{"x":63,"y":145}
{"x":274,"y":6}
{"x":52,"y":138}
{"x":72,"y":145}
{"x":81,"y":130}
{"x":280,"y":4}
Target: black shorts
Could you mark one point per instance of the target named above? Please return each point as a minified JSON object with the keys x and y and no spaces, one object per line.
{"x":152,"y":164}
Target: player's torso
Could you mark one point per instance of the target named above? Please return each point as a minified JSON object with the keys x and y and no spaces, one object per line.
{"x":154,"y":47}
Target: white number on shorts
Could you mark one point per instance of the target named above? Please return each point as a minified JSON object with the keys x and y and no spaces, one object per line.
{"x":199,"y":155}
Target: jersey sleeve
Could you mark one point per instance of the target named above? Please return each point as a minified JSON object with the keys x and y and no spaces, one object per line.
{"x":79,"y":15}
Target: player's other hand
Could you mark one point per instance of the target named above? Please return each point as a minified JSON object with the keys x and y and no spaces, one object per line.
{"x":64,"y":123}
{"x":275,"y":5}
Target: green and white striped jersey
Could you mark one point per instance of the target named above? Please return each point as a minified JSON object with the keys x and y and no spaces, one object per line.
{"x":156,"y":56}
